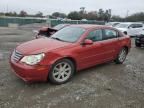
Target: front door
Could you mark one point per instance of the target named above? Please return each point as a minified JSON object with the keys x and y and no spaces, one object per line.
{"x":90,"y":55}
{"x":135,"y":29}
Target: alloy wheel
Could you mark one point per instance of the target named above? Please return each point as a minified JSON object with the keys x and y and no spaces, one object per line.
{"x":62,"y":71}
{"x":122,"y":55}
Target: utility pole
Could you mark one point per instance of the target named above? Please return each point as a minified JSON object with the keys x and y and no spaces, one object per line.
{"x":82,"y":9}
{"x":127,"y":14}
{"x":7,"y":8}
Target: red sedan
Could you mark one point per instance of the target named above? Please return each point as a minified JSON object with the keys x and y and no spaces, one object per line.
{"x":69,"y":50}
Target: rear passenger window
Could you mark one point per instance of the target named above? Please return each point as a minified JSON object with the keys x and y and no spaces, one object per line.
{"x":139,"y":25}
{"x":95,"y":35}
{"x":133,"y":26}
{"x":136,"y":26}
{"x":109,"y":34}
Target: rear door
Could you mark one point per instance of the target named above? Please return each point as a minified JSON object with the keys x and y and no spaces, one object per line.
{"x":110,"y":44}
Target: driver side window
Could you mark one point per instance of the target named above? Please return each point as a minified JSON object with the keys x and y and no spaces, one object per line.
{"x":95,"y":35}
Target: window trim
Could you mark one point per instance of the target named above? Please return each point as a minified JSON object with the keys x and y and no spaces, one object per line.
{"x":103,"y":31}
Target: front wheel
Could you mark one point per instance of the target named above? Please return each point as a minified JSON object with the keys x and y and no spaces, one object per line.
{"x":61,"y":71}
{"x":121,"y":56}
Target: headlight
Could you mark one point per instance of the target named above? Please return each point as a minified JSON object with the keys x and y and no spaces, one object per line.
{"x":32,"y":59}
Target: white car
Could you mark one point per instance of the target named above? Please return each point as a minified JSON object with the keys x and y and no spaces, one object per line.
{"x":112,"y":24}
{"x":130,"y":28}
{"x":84,"y":20}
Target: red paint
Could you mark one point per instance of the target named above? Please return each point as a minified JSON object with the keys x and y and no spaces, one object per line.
{"x":84,"y":55}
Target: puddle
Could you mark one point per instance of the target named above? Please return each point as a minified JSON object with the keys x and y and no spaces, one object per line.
{"x":4,"y":55}
{"x":9,"y":34}
{"x":1,"y":84}
{"x":1,"y":56}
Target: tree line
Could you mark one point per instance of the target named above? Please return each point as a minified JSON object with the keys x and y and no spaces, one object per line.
{"x":100,"y":15}
{"x":21,"y":14}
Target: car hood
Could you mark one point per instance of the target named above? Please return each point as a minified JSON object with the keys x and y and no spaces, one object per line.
{"x":42,"y":45}
{"x":142,"y":32}
{"x":122,"y":29}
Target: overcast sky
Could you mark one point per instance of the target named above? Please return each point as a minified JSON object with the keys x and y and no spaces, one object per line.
{"x":119,"y":7}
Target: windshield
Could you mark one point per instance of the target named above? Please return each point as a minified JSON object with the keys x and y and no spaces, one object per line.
{"x":69,"y":34}
{"x":112,"y":24}
{"x":108,"y":24}
{"x":122,"y":25}
{"x":115,"y":24}
{"x":58,"y":27}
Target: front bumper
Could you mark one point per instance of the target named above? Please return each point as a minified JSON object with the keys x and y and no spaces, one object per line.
{"x":30,"y":73}
{"x":139,"y":41}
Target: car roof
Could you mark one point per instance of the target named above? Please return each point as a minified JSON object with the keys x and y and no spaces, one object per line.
{"x":113,"y":22}
{"x":131,"y":23}
{"x":90,"y":26}
{"x":64,"y":24}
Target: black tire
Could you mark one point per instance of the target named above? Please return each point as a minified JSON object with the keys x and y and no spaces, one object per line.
{"x":51,"y":76}
{"x":137,"y":44}
{"x":118,"y":60}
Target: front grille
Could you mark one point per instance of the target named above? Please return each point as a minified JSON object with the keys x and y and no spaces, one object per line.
{"x":142,"y":39}
{"x":137,"y":38}
{"x":16,"y":55}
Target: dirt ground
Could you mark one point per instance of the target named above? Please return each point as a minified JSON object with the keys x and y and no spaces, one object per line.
{"x":104,"y":86}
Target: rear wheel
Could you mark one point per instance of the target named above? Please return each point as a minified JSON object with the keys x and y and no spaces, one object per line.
{"x":121,"y":56}
{"x":61,"y":71}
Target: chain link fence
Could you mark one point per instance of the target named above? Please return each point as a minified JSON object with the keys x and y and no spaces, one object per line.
{"x":5,"y":21}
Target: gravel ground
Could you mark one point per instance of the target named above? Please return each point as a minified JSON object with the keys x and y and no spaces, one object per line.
{"x":104,"y":86}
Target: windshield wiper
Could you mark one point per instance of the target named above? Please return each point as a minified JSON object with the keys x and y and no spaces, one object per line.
{"x":57,"y":38}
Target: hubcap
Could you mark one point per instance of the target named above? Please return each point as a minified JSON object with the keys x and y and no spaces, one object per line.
{"x":62,"y":71}
{"x":122,"y":55}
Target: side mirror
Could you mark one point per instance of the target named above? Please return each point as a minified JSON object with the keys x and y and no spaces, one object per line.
{"x":36,"y":34}
{"x":87,"y":42}
{"x":130,"y":27}
{"x":125,"y":32}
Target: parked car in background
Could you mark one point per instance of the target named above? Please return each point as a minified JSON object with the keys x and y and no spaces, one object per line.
{"x":84,"y":20}
{"x":112,"y":24}
{"x":130,"y":28}
{"x":69,"y":50}
{"x":47,"y":31}
{"x":139,"y":40}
